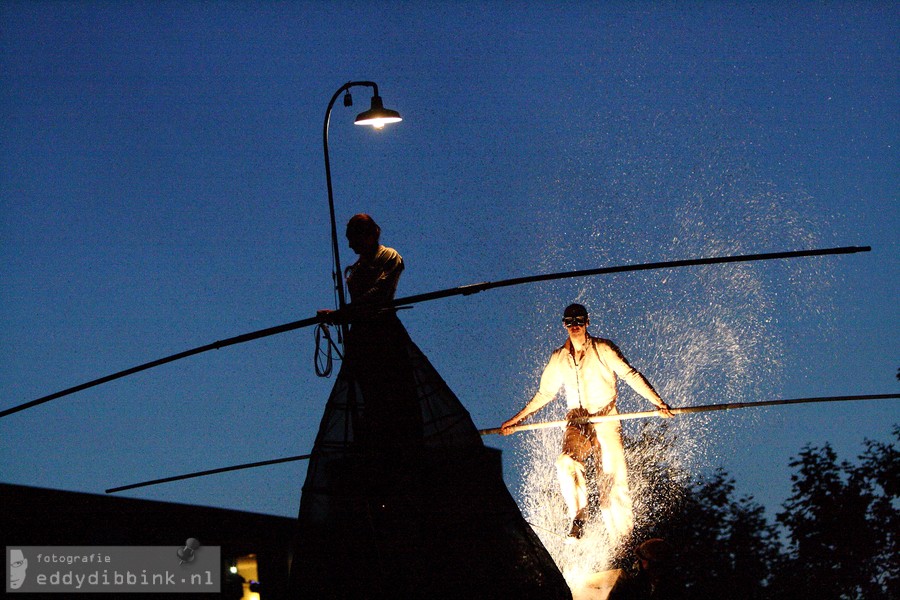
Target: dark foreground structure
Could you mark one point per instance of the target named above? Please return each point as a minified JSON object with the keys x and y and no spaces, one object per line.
{"x":31,"y":516}
{"x":402,"y":499}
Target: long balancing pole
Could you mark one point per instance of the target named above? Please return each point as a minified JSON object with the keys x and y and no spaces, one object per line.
{"x":252,"y":465}
{"x":684,"y":411}
{"x":464,"y":290}
{"x":531,"y":426}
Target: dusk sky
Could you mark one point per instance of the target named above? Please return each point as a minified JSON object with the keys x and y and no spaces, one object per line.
{"x":162,"y":186}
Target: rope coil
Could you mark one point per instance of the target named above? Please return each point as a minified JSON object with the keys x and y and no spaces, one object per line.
{"x":323,"y":360}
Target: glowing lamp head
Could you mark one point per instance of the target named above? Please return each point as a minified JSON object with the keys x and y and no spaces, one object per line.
{"x":378,"y":116}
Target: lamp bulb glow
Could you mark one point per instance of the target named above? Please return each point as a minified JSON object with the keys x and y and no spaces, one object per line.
{"x":378,"y":116}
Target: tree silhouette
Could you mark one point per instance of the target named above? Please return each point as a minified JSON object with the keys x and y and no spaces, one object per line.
{"x":880,"y":470}
{"x":840,"y":527}
{"x":725,"y":547}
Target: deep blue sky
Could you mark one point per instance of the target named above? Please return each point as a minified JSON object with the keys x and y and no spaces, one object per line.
{"x":162,"y":186}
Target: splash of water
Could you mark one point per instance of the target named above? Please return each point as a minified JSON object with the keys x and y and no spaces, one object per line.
{"x":702,"y":336}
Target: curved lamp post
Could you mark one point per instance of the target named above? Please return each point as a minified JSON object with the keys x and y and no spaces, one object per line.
{"x":377,"y":116}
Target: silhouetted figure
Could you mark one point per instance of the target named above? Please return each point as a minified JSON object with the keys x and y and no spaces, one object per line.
{"x":377,"y":346}
{"x":588,"y":369}
{"x":373,"y":278}
{"x":401,"y":498}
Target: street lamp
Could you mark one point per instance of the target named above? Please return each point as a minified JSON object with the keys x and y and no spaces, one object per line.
{"x":377,"y":116}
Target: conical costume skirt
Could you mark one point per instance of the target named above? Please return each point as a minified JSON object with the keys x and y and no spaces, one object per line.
{"x":402,"y":499}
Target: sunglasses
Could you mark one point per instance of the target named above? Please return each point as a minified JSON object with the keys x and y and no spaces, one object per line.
{"x":573,"y":321}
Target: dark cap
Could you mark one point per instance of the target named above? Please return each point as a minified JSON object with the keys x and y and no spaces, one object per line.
{"x":575,"y":310}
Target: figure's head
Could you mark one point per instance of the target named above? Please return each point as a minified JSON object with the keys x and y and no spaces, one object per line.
{"x":575,"y":320}
{"x":18,"y":564}
{"x":363,"y":234}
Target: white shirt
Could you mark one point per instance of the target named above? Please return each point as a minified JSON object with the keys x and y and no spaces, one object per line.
{"x":591,"y":384}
